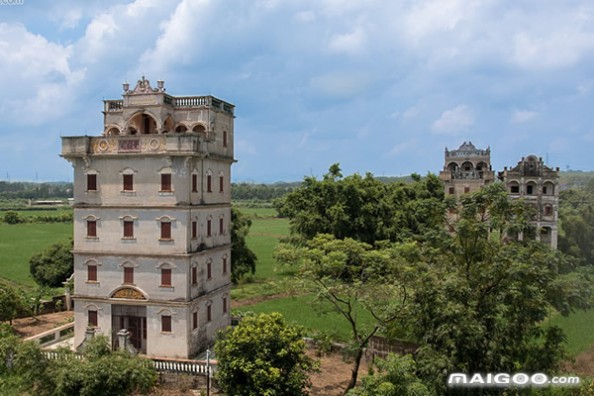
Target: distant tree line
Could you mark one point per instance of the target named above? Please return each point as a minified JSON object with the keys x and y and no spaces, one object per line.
{"x":30,"y":190}
{"x":261,"y":192}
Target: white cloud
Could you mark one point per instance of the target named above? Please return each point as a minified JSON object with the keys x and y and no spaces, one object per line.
{"x":453,"y":121}
{"x":348,"y":43}
{"x":305,"y":16}
{"x":37,"y":74}
{"x":521,"y":116}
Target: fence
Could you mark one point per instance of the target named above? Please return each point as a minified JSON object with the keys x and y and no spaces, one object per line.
{"x":161,"y":365}
{"x":53,"y":335}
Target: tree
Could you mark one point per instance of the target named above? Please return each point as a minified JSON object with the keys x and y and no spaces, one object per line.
{"x":354,"y":279}
{"x":263,"y":356}
{"x":396,"y":376}
{"x":243,"y":259}
{"x":101,"y":372}
{"x":53,"y":266}
{"x":11,"y":303}
{"x":363,"y":208}
{"x":480,"y":298}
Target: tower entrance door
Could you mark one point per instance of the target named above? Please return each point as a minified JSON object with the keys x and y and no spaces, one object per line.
{"x":133,"y":319}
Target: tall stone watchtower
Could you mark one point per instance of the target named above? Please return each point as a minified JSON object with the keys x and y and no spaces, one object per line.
{"x":538,"y":184}
{"x":466,"y":169}
{"x":152,"y":213}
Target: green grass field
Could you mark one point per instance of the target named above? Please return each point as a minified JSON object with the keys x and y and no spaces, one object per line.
{"x":299,"y":310}
{"x":19,"y":242}
{"x":578,"y":329}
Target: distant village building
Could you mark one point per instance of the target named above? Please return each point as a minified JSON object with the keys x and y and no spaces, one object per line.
{"x":538,"y":184}
{"x":466,"y":169}
{"x":152,"y":221}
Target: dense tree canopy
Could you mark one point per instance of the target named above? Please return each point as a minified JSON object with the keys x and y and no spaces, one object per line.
{"x":24,"y":370}
{"x":53,"y":266}
{"x":263,"y":356}
{"x":363,"y":208}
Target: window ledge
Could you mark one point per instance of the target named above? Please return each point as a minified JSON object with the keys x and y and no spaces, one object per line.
{"x":168,"y":287}
{"x":128,"y":239}
{"x":92,"y":191}
{"x":92,"y":238}
{"x":168,"y":241}
{"x":128,"y":193}
{"x":92,"y":282}
{"x":166,"y":193}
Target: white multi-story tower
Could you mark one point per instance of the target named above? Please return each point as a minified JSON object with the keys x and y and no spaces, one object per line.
{"x":152,"y":213}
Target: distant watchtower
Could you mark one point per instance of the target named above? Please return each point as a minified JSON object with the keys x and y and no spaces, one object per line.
{"x":152,"y":221}
{"x":466,"y":169}
{"x":538,"y":185}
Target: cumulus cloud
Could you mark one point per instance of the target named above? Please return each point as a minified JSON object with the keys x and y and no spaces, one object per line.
{"x":37,"y":74}
{"x":453,"y":121}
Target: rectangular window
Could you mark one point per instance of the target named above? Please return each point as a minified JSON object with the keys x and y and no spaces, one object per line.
{"x":548,"y":210}
{"x":165,"y":230}
{"x":208,"y":313}
{"x":208,"y":228}
{"x":515,"y":189}
{"x":224,"y":305}
{"x":165,"y":276}
{"x":128,"y":182}
{"x":166,"y":182}
{"x":91,"y":229}
{"x":224,"y":138}
{"x":129,"y":275}
{"x":544,"y":190}
{"x":221,"y":224}
{"x":208,"y":270}
{"x":92,"y":318}
{"x":194,"y":229}
{"x":209,"y":183}
{"x":224,"y":265}
{"x":128,"y":229}
{"x":466,"y":190}
{"x":529,"y":189}
{"x":92,"y":273}
{"x":194,"y":275}
{"x":194,"y":183}
{"x":221,"y":183}
{"x":91,"y":182}
{"x":166,"y":323}
{"x":194,"y":320}
{"x":451,"y":190}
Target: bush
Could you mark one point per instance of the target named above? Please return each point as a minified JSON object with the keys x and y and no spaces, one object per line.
{"x":53,"y":266}
{"x":13,"y":218}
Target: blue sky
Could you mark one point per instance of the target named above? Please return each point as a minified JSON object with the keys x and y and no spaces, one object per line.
{"x":379,"y":86}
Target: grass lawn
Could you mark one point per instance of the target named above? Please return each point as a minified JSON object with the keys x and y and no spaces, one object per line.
{"x":19,"y":242}
{"x":298,"y":310}
{"x":578,"y":330}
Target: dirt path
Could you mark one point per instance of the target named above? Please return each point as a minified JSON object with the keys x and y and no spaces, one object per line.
{"x":582,"y":364}
{"x":30,"y":326}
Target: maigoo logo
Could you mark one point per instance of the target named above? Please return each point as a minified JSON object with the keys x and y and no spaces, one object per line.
{"x":506,"y":380}
{"x":12,"y":2}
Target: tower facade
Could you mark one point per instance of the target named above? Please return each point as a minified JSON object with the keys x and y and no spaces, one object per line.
{"x":538,"y":184}
{"x":466,"y":169}
{"x":152,"y":213}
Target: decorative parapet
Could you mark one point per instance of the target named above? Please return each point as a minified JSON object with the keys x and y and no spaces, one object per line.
{"x":76,"y":146}
{"x":180,"y":102}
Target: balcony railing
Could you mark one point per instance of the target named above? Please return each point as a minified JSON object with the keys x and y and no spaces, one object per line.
{"x":182,"y":102}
